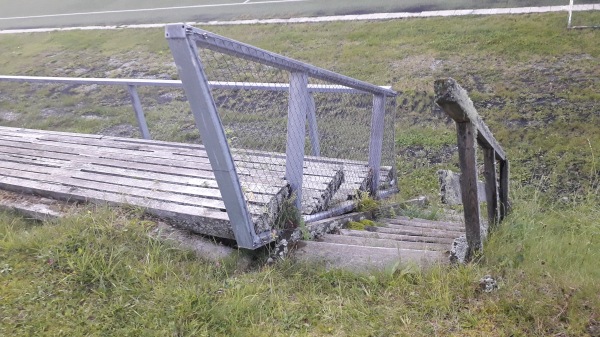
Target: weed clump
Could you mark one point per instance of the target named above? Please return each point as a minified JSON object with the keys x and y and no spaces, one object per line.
{"x":361,"y":225}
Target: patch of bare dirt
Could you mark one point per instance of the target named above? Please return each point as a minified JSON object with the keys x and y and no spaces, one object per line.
{"x":9,"y":116}
{"x":120,"y":130}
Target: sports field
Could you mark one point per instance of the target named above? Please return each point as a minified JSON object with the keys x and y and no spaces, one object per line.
{"x":61,"y":13}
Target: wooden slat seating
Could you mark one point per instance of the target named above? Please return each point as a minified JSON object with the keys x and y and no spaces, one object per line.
{"x":171,"y":180}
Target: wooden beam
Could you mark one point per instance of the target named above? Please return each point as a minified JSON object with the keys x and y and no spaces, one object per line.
{"x":504,"y":189}
{"x":468,"y":185}
{"x":489,"y":164}
{"x":455,"y":101}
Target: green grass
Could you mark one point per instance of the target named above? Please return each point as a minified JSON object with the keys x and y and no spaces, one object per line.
{"x":537,"y":92}
{"x":100,"y":273}
{"x":534,"y":83}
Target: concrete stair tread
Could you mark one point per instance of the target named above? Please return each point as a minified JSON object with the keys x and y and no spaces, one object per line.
{"x":402,"y":220}
{"x":455,"y":233}
{"x":395,"y":236}
{"x":404,"y":230}
{"x":363,"y":258}
{"x":388,"y":243}
{"x":410,"y":232}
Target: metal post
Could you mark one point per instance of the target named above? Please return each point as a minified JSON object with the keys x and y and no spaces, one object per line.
{"x":211,"y":130}
{"x":139,"y":112}
{"x":313,"y":130}
{"x":296,"y":131}
{"x":570,"y":13}
{"x":376,"y":141}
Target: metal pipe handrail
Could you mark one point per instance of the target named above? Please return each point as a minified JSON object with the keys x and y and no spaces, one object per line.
{"x":219,"y":43}
{"x":315,"y":88}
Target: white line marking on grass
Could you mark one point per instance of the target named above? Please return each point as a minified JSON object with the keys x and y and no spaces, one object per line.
{"x":247,"y":2}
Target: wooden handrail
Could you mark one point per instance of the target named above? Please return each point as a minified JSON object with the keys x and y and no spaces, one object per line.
{"x":455,"y":101}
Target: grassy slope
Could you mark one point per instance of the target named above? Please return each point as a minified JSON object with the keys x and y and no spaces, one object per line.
{"x":536,"y":86}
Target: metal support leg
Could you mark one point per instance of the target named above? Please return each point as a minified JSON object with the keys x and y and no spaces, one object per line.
{"x":313,"y":130}
{"x":139,"y":112}
{"x":211,"y":130}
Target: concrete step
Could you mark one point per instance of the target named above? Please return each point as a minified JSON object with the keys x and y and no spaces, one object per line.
{"x":387,"y":243}
{"x":425,"y":231}
{"x":363,"y":258}
{"x":401,"y":220}
{"x":416,"y":233}
{"x":398,"y":237}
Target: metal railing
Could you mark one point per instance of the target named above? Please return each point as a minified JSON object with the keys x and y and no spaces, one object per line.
{"x":455,"y":101}
{"x":201,"y":56}
{"x":263,"y":105}
{"x":131,"y":84}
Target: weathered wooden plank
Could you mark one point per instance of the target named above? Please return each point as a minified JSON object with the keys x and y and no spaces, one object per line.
{"x":256,"y":184}
{"x":158,"y":155}
{"x":187,"y":160}
{"x":322,"y":187}
{"x":456,"y":103}
{"x":65,"y":155}
{"x":489,"y":163}
{"x":185,"y":148}
{"x":148,"y":172}
{"x":197,"y":219}
{"x":314,"y":201}
{"x":159,"y":149}
{"x":254,"y":176}
{"x":59,"y":177}
{"x":136,"y":174}
{"x":198,"y":191}
{"x":468,"y":184}
{"x":258,"y":211}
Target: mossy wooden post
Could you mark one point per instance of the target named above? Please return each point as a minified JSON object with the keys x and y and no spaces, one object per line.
{"x":491,"y":187}
{"x":468,"y":183}
{"x":504,"y":203}
{"x":455,"y":101}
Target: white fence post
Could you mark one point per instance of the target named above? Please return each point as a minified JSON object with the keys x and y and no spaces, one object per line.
{"x":570,"y":13}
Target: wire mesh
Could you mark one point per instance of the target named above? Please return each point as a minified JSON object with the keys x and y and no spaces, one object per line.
{"x":285,"y":127}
